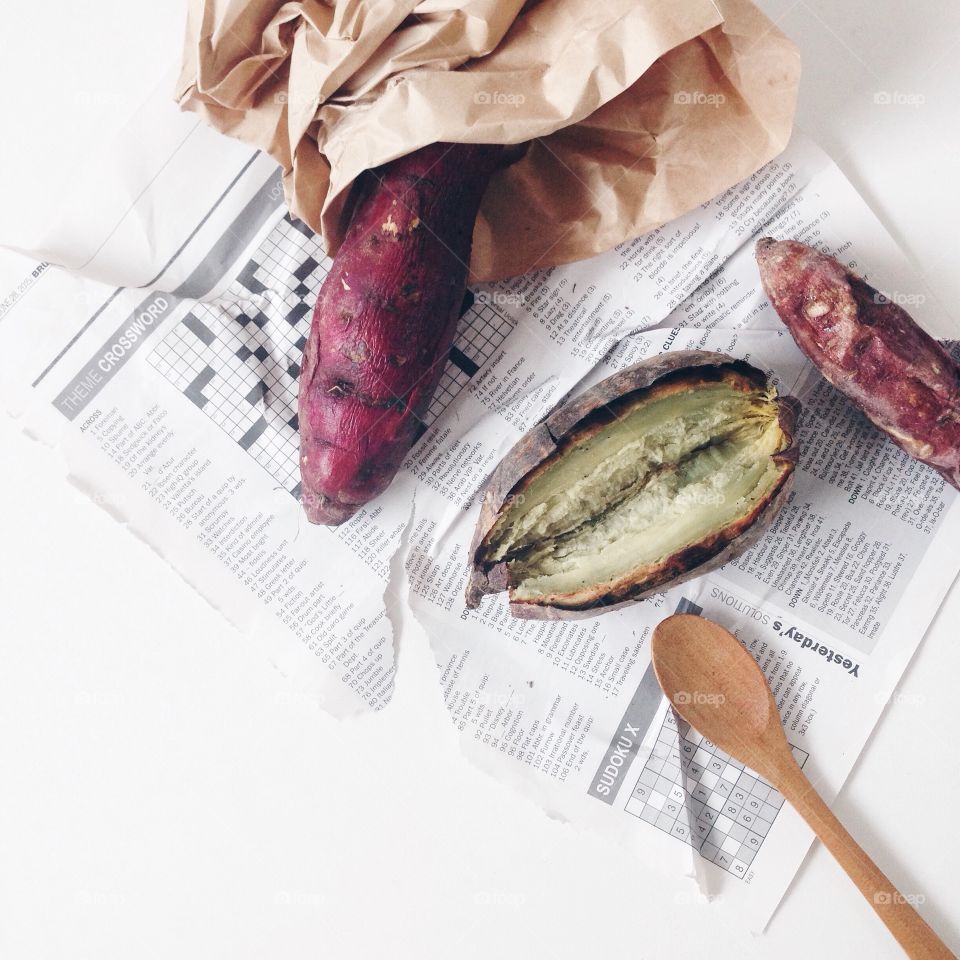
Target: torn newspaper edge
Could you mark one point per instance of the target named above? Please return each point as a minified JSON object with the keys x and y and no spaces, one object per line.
{"x":175,"y":405}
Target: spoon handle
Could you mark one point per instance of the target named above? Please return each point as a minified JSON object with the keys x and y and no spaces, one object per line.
{"x":911,"y":931}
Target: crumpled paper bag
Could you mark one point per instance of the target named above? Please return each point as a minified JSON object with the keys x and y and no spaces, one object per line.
{"x":634,"y":111}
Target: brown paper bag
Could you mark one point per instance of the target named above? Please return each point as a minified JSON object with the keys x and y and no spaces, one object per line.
{"x":635,"y":111}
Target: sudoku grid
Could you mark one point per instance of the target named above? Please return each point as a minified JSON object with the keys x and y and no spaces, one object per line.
{"x":697,"y":793}
{"x":237,"y":358}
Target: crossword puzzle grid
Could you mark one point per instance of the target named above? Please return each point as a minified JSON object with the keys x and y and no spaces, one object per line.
{"x":698,"y":794}
{"x":238,"y":357}
{"x":481,"y":331}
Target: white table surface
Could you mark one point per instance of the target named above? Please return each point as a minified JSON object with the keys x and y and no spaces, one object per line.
{"x":162,"y":793}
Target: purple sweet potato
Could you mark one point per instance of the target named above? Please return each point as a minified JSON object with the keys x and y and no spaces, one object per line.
{"x":384,"y":322}
{"x":870,"y":349}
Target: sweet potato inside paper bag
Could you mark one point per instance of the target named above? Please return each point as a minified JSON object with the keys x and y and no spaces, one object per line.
{"x":635,"y":111}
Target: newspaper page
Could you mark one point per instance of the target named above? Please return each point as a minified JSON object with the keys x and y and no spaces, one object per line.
{"x":173,"y":399}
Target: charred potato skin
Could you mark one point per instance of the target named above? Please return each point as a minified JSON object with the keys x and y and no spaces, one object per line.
{"x":870,"y":349}
{"x":563,"y":427}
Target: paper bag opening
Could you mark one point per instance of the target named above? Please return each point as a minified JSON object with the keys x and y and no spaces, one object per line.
{"x":633,"y":112}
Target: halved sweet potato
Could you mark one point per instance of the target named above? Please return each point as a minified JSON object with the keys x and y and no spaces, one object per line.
{"x":659,"y":473}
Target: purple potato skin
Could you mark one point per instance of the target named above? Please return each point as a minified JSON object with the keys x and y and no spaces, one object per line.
{"x":384,"y":322}
{"x":870,"y":349}
{"x":561,"y":427}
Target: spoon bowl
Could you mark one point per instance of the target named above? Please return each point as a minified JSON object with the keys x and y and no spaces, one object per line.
{"x":717,"y":687}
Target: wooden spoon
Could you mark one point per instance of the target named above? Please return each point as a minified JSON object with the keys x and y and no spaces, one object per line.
{"x":717,"y":687}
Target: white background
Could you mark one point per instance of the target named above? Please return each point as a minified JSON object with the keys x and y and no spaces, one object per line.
{"x":164,"y":794}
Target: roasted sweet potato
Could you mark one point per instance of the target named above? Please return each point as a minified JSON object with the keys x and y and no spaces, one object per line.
{"x":384,"y":322}
{"x":662,"y":472}
{"x":870,"y":349}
